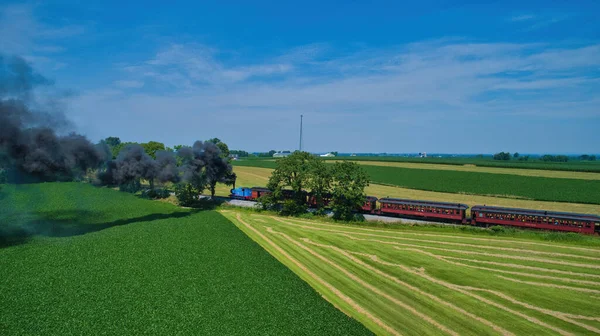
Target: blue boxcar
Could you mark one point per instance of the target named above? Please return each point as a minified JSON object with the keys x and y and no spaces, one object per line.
{"x":241,"y":193}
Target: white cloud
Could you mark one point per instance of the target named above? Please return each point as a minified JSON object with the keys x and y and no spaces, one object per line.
{"x":185,"y":65}
{"x":524,"y":17}
{"x":129,"y":84}
{"x":393,"y":91}
{"x":22,"y":33}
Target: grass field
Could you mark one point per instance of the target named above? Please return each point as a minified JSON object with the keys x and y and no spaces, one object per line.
{"x":252,"y":176}
{"x":91,"y":261}
{"x":477,"y":183}
{"x":429,"y":281}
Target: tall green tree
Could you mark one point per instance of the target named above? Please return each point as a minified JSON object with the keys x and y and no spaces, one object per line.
{"x":292,"y":172}
{"x":112,"y":141}
{"x":152,"y":147}
{"x":222,"y":146}
{"x":319,"y":181}
{"x":349,"y":181}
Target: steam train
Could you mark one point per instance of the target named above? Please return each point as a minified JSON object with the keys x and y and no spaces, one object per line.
{"x":481,"y":215}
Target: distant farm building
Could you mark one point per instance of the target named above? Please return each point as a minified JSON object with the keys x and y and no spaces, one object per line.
{"x":281,"y":154}
{"x":327,"y":155}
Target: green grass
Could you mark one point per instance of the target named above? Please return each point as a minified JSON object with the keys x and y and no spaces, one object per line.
{"x":94,"y":261}
{"x":502,"y":185}
{"x":427,"y":280}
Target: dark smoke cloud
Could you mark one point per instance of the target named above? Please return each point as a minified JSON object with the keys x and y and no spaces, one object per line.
{"x":167,"y":167}
{"x":132,"y":165}
{"x":203,"y":165}
{"x":30,"y":149}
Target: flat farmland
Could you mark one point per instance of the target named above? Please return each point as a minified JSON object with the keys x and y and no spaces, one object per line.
{"x":569,"y":190}
{"x":253,"y":176}
{"x":483,"y":169}
{"x":76,"y":259}
{"x":446,"y":281}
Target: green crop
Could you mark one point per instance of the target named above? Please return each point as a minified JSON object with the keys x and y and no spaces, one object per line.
{"x":90,"y":261}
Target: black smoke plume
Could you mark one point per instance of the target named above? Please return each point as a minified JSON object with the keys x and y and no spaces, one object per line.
{"x":133,"y":165}
{"x":30,"y":148}
{"x":167,"y":167}
{"x":203,"y":166}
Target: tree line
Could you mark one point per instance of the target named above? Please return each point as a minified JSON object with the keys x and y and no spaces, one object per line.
{"x":191,"y":169}
{"x":506,"y":156}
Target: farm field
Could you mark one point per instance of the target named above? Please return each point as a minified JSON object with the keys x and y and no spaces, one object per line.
{"x":493,"y":170}
{"x":76,"y":259}
{"x":252,"y":176}
{"x":446,"y":281}
{"x":476,"y":183}
{"x":574,"y":166}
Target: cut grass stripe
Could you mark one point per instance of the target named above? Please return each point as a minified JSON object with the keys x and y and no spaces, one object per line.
{"x":318,"y":279}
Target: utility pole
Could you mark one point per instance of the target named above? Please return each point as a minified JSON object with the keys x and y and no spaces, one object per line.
{"x":301,"y":132}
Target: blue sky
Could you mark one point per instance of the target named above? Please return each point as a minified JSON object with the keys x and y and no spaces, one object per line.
{"x":377,"y":76}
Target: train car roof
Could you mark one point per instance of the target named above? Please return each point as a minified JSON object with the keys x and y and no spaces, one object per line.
{"x":445,"y":205}
{"x":570,"y":215}
{"x":371,"y":198}
{"x":260,"y":189}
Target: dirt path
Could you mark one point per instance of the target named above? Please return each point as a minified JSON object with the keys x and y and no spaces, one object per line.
{"x":585,"y":249}
{"x":318,"y":279}
{"x":367,"y":285}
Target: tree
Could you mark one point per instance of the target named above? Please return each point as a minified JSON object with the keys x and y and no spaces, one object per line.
{"x":292,"y":172}
{"x":240,"y":153}
{"x":152,"y":147}
{"x":319,"y":181}
{"x":112,"y":141}
{"x":554,"y":158}
{"x":334,"y":153}
{"x":502,"y":156}
{"x":132,"y":165}
{"x":221,"y":145}
{"x":516,"y":155}
{"x":218,"y":170}
{"x":348,"y":189}
{"x":203,"y":167}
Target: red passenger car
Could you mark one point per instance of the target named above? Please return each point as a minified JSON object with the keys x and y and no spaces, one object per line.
{"x":423,"y":209}
{"x":370,"y":204}
{"x":537,"y":219}
{"x":259,"y":192}
{"x":312,"y":200}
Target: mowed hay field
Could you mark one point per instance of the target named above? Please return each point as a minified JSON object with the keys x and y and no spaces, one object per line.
{"x":430,"y":281}
{"x":82,"y":260}
{"x":254,"y":176}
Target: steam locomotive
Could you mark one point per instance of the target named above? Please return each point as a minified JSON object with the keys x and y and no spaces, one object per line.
{"x":481,"y":215}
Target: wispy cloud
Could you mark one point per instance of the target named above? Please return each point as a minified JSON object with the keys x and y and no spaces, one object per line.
{"x":188,"y":65}
{"x":523,"y":17}
{"x":538,"y":21}
{"x":415,"y":85}
{"x":22,"y":33}
{"x":129,"y":84}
